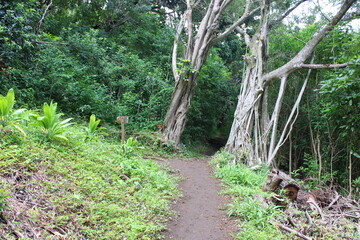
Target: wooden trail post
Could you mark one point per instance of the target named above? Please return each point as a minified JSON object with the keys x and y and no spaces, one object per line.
{"x":122,"y":120}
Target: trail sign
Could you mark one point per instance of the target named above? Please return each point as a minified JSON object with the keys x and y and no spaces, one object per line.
{"x":122,"y":120}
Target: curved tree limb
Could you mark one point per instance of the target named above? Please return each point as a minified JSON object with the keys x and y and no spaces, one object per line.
{"x":290,"y":10}
{"x":305,"y":52}
{"x":324,"y":66}
{"x":44,"y":14}
{"x":242,"y":19}
{"x":275,"y":116}
{"x":175,"y":48}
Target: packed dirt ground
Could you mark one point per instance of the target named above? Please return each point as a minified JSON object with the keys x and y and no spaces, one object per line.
{"x":200,"y":213}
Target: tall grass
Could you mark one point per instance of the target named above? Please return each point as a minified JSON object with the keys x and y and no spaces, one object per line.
{"x":245,"y":187}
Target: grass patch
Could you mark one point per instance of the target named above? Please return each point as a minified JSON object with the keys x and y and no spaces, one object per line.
{"x":82,"y":190}
{"x":245,"y":187}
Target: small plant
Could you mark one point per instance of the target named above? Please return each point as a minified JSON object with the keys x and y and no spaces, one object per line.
{"x":8,"y":117}
{"x":185,"y":68}
{"x":168,"y":146}
{"x":93,"y":130}
{"x":3,"y":195}
{"x":50,"y":124}
{"x":356,"y":184}
{"x":6,"y":105}
{"x":128,"y":149}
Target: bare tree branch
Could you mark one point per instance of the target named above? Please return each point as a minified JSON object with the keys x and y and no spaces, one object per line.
{"x":44,"y":14}
{"x":175,"y":47}
{"x":351,"y":16}
{"x":242,"y":19}
{"x":293,"y":231}
{"x":291,"y":119}
{"x":276,"y":114}
{"x":321,"y":12}
{"x":50,"y":43}
{"x":324,"y":66}
{"x":306,"y":51}
{"x":290,"y":10}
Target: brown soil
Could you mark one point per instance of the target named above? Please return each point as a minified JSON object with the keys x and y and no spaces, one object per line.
{"x":201,"y":213}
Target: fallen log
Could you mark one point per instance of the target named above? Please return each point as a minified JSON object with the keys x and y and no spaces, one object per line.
{"x":278,"y":180}
{"x":334,"y":212}
{"x":299,"y":234}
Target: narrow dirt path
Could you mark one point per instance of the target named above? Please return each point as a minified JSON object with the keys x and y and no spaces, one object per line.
{"x":199,"y":212}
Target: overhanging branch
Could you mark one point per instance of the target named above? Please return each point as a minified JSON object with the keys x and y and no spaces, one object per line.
{"x":50,"y":43}
{"x":290,"y":10}
{"x":242,"y":19}
{"x":298,"y":61}
{"x":44,"y":14}
{"x":324,"y":66}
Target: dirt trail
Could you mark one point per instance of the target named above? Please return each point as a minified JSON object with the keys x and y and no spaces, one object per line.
{"x":199,"y":214}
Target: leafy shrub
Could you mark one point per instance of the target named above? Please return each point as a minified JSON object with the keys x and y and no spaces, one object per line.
{"x":239,"y":175}
{"x":93,"y":130}
{"x":356,"y":184}
{"x":50,"y":124}
{"x":7,"y":115}
{"x":129,"y":148}
{"x":6,"y":105}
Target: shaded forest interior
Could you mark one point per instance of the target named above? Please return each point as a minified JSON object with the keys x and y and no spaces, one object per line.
{"x":113,"y":58}
{"x":96,"y":96}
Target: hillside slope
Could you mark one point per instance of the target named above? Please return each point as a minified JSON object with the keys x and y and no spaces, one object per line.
{"x":81,"y":190}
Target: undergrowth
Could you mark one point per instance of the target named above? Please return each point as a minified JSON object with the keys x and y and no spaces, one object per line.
{"x":245,"y":187}
{"x":80,"y":189}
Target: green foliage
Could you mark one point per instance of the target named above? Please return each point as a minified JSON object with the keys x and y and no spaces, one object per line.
{"x":239,"y":175}
{"x":184,"y":68}
{"x":17,"y":25}
{"x":50,"y":123}
{"x":340,"y":101}
{"x":3,"y":196}
{"x":6,"y":105}
{"x":310,"y":172}
{"x":245,"y":186}
{"x":356,"y":185}
{"x":95,"y":189}
{"x":211,"y":115}
{"x":130,"y":148}
{"x":8,"y":117}
{"x":257,"y":219}
{"x":93,"y":128}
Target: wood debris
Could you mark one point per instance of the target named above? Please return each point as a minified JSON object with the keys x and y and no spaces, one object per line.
{"x":318,"y":214}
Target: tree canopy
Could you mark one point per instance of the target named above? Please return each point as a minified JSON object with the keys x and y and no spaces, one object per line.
{"x":136,"y":57}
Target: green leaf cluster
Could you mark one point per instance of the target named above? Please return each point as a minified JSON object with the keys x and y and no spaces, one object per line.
{"x":245,"y":187}
{"x":6,"y":105}
{"x":93,"y":128}
{"x":50,"y":123}
{"x":3,"y":196}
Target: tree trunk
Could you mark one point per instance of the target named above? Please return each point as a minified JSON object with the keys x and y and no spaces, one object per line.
{"x":245,"y":139}
{"x":176,"y":115}
{"x":240,"y":141}
{"x":251,"y":132}
{"x":196,"y":51}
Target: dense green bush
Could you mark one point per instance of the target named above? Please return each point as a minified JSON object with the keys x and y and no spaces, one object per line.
{"x":212,"y":108}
